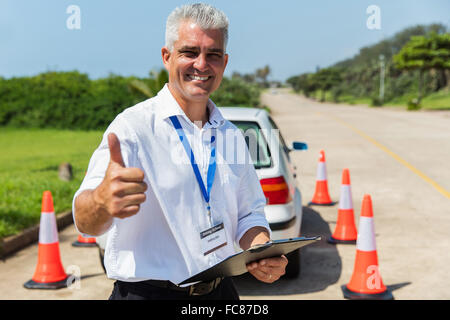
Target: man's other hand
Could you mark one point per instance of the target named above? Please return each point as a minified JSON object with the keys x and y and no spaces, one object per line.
{"x":268,"y":270}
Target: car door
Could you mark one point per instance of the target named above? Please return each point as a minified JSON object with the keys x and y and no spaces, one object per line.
{"x":284,"y":150}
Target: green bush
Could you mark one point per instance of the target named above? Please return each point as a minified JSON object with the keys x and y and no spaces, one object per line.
{"x":70,"y":100}
{"x":236,"y":92}
{"x":376,"y":102}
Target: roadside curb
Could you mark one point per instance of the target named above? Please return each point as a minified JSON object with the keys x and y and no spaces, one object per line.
{"x":30,"y":235}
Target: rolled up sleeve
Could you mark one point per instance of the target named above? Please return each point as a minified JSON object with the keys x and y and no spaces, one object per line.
{"x":251,"y":203}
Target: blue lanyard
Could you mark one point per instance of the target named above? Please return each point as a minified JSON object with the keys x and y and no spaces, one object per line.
{"x":212,"y":162}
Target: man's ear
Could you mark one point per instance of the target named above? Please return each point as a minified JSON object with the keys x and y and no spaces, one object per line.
{"x":165,"y":54}
{"x":226,"y":61}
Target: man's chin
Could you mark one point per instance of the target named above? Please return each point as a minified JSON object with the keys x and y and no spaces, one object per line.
{"x":199,"y":93}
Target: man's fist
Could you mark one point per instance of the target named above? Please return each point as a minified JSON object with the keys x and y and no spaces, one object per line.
{"x":123,"y":189}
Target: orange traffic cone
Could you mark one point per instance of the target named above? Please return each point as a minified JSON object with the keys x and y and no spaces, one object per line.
{"x":345,"y":231}
{"x":84,"y":242}
{"x":366,"y":280}
{"x":321,"y":196}
{"x":49,"y":273}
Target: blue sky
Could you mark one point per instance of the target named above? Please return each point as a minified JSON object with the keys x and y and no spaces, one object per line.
{"x":125,"y":37}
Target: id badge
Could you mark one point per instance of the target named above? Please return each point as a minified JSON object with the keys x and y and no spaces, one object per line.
{"x":213,"y":238}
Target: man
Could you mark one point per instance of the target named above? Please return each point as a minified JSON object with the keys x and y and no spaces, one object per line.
{"x":145,"y":183}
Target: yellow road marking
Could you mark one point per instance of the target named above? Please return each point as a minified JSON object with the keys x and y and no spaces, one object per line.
{"x":395,"y":156}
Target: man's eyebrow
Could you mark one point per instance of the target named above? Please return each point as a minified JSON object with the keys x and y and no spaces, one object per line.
{"x":189,"y":48}
{"x":215,"y":50}
{"x":184,"y":48}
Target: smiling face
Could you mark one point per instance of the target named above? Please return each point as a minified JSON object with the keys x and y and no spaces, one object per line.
{"x":196,"y":63}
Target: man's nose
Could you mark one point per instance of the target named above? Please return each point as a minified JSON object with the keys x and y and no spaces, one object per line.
{"x":200,"y":63}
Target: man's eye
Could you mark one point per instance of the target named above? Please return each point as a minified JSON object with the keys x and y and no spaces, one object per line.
{"x":189,"y":53}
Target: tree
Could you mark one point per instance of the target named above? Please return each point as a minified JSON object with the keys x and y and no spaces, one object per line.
{"x":150,"y":87}
{"x":236,"y":92}
{"x":423,"y":53}
{"x":293,"y":82}
{"x":327,"y":78}
{"x":262,"y":74}
{"x":248,"y":77}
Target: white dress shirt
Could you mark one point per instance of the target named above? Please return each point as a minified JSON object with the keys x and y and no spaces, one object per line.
{"x":162,"y":241}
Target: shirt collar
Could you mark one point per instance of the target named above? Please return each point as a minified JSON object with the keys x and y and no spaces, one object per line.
{"x":170,"y":107}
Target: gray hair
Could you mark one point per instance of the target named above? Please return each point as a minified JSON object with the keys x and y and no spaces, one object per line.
{"x":205,"y":15}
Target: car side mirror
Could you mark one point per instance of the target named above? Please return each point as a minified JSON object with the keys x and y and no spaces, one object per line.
{"x":299,"y":146}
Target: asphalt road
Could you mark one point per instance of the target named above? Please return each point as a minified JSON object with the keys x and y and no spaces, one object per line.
{"x":400,"y":158}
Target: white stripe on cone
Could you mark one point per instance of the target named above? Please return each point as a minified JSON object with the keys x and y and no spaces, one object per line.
{"x":48,"y":232}
{"x":346,"y":201}
{"x":366,"y":235}
{"x":321,"y":172}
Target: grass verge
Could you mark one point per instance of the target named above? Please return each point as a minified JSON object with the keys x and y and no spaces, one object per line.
{"x":29,"y":164}
{"x":435,"y":101}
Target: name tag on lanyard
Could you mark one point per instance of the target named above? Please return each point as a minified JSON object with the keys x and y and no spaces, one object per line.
{"x":214,"y":237}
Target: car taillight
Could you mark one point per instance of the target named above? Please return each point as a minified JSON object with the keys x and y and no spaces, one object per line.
{"x":276,"y":190}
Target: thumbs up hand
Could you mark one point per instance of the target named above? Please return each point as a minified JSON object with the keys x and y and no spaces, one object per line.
{"x":123,"y":189}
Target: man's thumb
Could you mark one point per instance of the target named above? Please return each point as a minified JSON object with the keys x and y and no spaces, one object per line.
{"x":114,"y":149}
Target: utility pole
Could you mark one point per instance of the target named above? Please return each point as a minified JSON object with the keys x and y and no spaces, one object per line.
{"x":381,"y":96}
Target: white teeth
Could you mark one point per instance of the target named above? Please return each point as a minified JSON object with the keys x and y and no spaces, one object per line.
{"x":198,"y":78}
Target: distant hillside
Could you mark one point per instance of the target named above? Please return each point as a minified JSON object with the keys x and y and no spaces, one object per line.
{"x":390,"y":46}
{"x":357,"y":79}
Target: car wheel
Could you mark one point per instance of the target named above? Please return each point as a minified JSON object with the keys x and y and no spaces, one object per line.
{"x":101,"y":253}
{"x":293,"y":267}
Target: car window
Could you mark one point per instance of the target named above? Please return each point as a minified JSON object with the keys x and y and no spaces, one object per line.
{"x":256,"y":143}
{"x":283,"y":143}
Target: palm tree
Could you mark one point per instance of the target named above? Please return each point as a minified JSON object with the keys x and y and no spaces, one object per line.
{"x":151,"y":86}
{"x":425,"y":53}
{"x":262,"y":74}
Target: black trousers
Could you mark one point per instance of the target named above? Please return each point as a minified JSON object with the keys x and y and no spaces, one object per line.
{"x":144,"y":291}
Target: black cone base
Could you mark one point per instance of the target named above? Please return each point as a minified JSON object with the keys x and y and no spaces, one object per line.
{"x":348,"y":294}
{"x":83,"y":244}
{"x":47,"y":285}
{"x":321,"y":204}
{"x":337,"y":241}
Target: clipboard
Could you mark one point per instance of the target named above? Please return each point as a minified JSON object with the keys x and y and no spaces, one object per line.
{"x":236,"y":264}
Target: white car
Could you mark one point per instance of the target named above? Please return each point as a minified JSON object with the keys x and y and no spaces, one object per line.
{"x":270,"y":156}
{"x":276,"y":174}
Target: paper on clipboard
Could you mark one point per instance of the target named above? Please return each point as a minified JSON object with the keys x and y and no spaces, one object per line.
{"x":236,"y":264}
